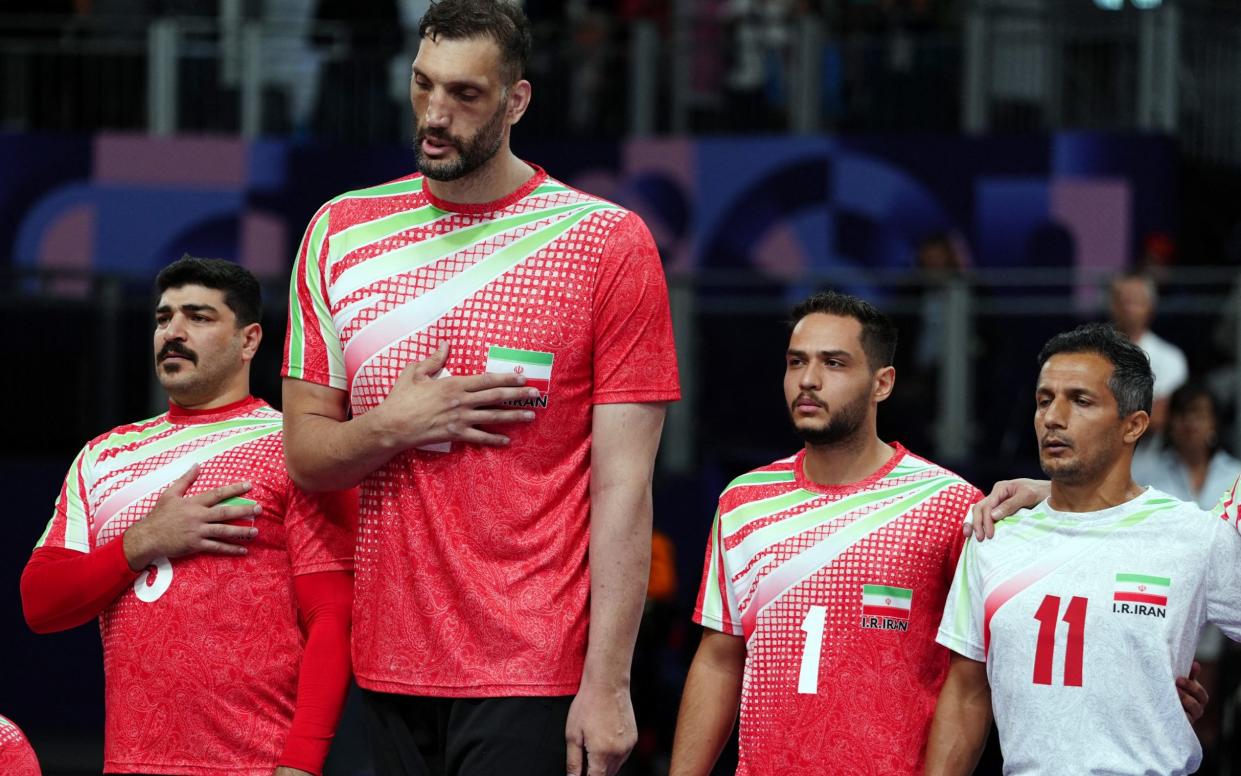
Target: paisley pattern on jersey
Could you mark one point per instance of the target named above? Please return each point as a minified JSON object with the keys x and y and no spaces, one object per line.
{"x":786,"y":566}
{"x":497,"y":601}
{"x":201,"y":653}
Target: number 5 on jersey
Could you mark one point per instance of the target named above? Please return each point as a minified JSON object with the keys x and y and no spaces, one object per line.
{"x":1045,"y":652}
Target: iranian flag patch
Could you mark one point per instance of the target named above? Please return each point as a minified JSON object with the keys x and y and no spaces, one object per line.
{"x":534,"y":364}
{"x":886,"y":602}
{"x":1142,"y":589}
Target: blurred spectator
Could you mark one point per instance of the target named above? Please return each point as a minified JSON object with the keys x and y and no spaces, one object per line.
{"x":1224,"y":376}
{"x":1133,"y":302}
{"x":593,"y":70}
{"x":939,"y":261}
{"x":1158,"y":255}
{"x":760,"y":33}
{"x":1190,"y":464}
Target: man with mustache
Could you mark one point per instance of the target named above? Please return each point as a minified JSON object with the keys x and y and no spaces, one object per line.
{"x":488,"y":352}
{"x":825,"y":576}
{"x":1072,"y":623}
{"x":222,"y":590}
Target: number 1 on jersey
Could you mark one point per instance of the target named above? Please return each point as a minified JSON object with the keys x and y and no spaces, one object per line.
{"x":1045,"y":651}
{"x":813,"y":625}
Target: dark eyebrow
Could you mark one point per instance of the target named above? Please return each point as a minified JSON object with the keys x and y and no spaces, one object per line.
{"x":188,"y":308}
{"x":457,"y":84}
{"x":824,"y":354}
{"x":1071,"y":391}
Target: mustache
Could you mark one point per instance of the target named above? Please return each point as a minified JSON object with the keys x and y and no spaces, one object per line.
{"x":439,"y":135}
{"x":811,"y":397}
{"x":176,"y":347}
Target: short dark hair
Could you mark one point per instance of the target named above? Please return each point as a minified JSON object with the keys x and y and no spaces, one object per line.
{"x":878,"y":331}
{"x":501,"y":20}
{"x":241,"y":289}
{"x":1132,"y":382}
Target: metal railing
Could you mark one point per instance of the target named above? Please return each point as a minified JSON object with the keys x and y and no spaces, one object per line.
{"x":967,"y":340}
{"x":1167,"y":69}
{"x":981,"y":326}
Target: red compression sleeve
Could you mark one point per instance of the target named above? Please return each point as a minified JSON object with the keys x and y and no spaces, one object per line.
{"x":63,"y":588}
{"x":325,"y":603}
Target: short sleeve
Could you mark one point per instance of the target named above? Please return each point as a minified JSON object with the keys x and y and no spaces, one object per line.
{"x":312,"y":349}
{"x":320,"y":529}
{"x":961,"y":629}
{"x":966,"y":496}
{"x":1229,"y":507}
{"x":70,"y":524}
{"x":717,"y":601}
{"x":634,"y":354}
{"x":1224,"y":575}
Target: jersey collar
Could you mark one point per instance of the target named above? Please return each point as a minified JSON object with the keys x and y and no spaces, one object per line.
{"x":536,"y":180}
{"x":804,"y":482}
{"x":184,"y":416}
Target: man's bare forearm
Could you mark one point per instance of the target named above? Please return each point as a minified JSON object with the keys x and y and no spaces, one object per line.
{"x":709,"y":704}
{"x":626,"y":437}
{"x":620,"y":562}
{"x":962,"y":720}
{"x":326,"y":454}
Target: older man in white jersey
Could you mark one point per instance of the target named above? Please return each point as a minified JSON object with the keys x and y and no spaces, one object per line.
{"x":1073,"y":623}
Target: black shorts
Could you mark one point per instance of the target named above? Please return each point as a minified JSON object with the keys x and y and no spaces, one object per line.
{"x":418,"y":736}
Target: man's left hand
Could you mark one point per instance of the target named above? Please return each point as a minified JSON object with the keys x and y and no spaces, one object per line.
{"x":1192,"y":694}
{"x":601,"y":731}
{"x":285,"y":770}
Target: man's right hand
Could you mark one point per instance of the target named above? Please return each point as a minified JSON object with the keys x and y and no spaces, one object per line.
{"x":180,"y":525}
{"x":1005,"y":498}
{"x":423,"y":410}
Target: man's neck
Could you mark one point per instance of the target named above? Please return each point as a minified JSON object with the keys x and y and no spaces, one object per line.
{"x":234,"y":392}
{"x":1115,"y":488}
{"x":848,"y":461}
{"x":496,"y":179}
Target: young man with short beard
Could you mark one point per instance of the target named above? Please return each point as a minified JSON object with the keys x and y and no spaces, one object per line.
{"x":222,"y":590}
{"x":488,"y":352}
{"x":1073,"y":621}
{"x":825,"y":576}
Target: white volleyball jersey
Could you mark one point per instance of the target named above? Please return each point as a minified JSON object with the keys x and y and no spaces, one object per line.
{"x":1085,"y":620}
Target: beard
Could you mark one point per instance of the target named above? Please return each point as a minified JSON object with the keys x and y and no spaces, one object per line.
{"x":1072,"y":472}
{"x":1075,"y":471}
{"x":1086,"y":465}
{"x":471,"y":154}
{"x":841,"y":425}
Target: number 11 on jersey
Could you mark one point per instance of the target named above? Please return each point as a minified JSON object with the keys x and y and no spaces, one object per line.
{"x":1045,"y":651}
{"x":813,"y":625}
